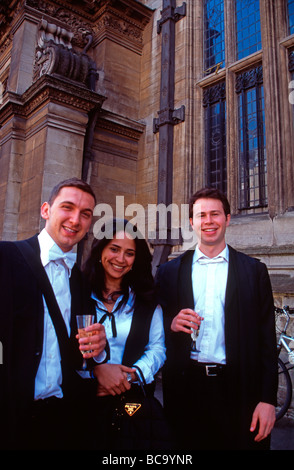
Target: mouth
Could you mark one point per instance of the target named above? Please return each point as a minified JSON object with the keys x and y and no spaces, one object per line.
{"x":209,"y":230}
{"x":69,"y":230}
{"x":117,"y":267}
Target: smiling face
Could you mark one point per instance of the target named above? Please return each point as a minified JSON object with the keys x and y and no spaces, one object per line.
{"x":118,"y":257}
{"x":209,"y":223}
{"x":69,"y":217}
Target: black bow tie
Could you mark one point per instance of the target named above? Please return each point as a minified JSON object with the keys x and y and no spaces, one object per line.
{"x":113,"y":325}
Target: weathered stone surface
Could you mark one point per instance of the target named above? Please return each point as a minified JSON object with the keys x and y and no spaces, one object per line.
{"x":54,"y":126}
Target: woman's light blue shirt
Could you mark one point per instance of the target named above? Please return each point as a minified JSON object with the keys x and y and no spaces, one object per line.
{"x":154,"y":355}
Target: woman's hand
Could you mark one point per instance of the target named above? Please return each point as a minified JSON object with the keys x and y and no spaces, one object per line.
{"x":94,"y":342}
{"x":112,"y":379}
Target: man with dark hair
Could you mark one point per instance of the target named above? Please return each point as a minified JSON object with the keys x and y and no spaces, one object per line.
{"x":71,"y":183}
{"x":42,"y":290}
{"x":220,"y":377}
{"x":209,"y":193}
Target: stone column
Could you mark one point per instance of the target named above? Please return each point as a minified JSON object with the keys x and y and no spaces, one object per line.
{"x":273,"y":115}
{"x":22,"y":55}
{"x":54,"y":114}
{"x":12,"y":136}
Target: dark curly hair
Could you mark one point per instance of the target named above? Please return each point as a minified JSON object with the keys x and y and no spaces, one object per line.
{"x":139,"y":278}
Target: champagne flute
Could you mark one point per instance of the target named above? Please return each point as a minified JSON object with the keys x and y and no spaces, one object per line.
{"x":82,"y":322}
{"x":194,"y":336}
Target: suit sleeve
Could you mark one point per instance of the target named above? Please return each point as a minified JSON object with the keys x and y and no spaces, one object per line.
{"x":6,"y":335}
{"x":162,"y":290}
{"x":269,"y":366}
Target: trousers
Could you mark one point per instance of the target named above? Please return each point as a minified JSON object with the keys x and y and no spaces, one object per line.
{"x":210,"y":420}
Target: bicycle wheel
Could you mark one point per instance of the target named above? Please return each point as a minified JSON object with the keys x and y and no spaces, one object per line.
{"x":284,"y":391}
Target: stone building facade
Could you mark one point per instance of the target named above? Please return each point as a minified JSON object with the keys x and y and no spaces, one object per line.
{"x":149,"y":101}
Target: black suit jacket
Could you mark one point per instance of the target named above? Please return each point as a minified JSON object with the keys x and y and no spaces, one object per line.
{"x":249,"y":331}
{"x":21,"y":331}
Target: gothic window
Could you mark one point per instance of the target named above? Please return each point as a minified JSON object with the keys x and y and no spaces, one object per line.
{"x":291,"y":16}
{"x":247,"y":27}
{"x":215,"y":140}
{"x":291,"y":85}
{"x":252,"y":151}
{"x":214,"y":35}
{"x":291,"y":61}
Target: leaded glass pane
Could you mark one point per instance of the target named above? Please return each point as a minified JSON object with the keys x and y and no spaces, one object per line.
{"x":291,"y":84}
{"x":252,"y":154}
{"x":214,"y":35}
{"x":215,"y":137}
{"x":291,"y":16}
{"x":247,"y":27}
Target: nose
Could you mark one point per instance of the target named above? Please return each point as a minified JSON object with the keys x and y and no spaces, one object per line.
{"x":75,"y":217}
{"x":208,"y":219}
{"x":120,"y":256}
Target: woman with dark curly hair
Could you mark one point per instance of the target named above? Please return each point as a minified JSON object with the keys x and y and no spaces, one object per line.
{"x":119,"y":272}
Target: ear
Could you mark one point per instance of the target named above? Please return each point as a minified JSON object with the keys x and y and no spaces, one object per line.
{"x":45,"y":210}
{"x":228,"y":220}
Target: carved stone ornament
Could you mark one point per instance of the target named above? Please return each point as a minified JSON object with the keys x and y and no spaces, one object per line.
{"x":69,"y":19}
{"x":121,"y":21}
{"x":55,"y":55}
{"x":249,"y":79}
{"x":49,"y":31}
{"x":214,"y":94}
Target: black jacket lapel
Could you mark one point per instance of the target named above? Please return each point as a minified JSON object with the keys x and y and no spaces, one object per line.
{"x":34,"y":243}
{"x":32,"y":257}
{"x":184,"y":287}
{"x":232,"y":310}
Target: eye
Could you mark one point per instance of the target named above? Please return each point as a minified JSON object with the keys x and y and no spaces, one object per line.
{"x":86,"y":215}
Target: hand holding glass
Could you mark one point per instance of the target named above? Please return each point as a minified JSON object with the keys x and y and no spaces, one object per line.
{"x":82,"y":322}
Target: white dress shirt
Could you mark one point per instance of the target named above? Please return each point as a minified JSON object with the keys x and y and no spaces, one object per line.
{"x":49,"y":376}
{"x":154,"y":355}
{"x":209,"y":288}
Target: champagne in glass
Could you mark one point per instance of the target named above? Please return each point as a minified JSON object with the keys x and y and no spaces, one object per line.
{"x":194,"y":336}
{"x":82,"y":322}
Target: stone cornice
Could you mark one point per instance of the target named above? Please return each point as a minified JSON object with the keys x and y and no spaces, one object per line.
{"x":117,"y":125}
{"x":105,"y":18}
{"x":49,"y":88}
{"x":121,"y":21}
{"x":113,"y":25}
{"x":8,"y":8}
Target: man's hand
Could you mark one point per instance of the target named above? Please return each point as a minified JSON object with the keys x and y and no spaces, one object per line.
{"x":185,"y":321}
{"x":95,"y":343}
{"x":265,"y":415}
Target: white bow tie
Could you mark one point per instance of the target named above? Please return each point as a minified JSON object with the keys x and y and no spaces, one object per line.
{"x":56,"y":254}
{"x":206,"y":260}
